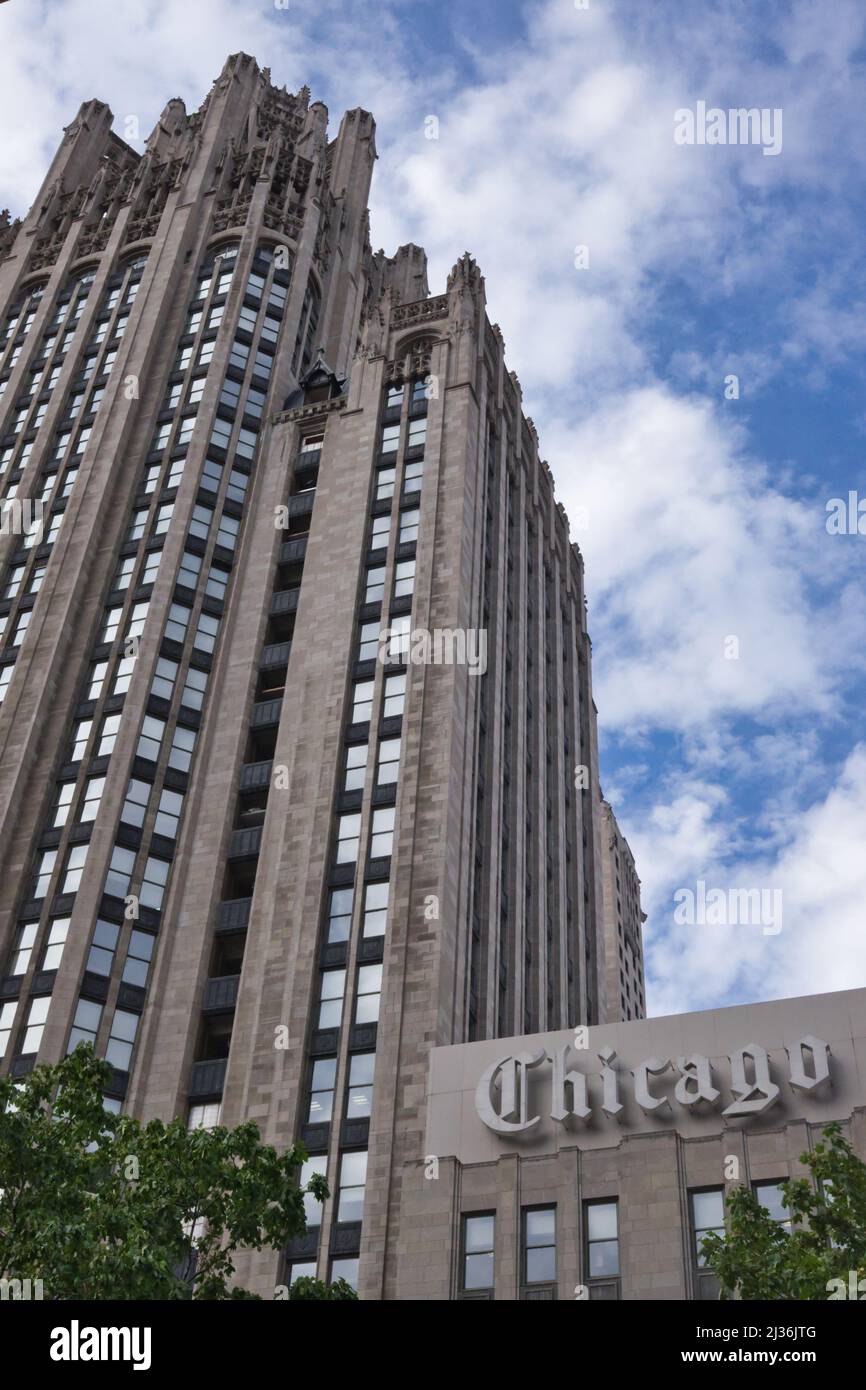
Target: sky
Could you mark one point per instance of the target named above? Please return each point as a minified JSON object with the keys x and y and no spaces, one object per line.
{"x":687,"y":321}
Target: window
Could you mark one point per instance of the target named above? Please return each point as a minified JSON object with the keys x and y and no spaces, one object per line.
{"x":123,"y":676}
{"x":164,"y":678}
{"x":394,"y":398}
{"x":150,"y":739}
{"x":205,"y":1116}
{"x":111,"y":624}
{"x":332,"y":989}
{"x":75,"y":861}
{"x":7,"y":1018}
{"x":35,"y":1024}
{"x":348,"y":839}
{"x":57,"y":934}
{"x":81,"y":734}
{"x":227,"y":534}
{"x":152,"y":892}
{"x":356,"y":767}
{"x":218,"y":581}
{"x":375,"y":909}
{"x":119,"y":871}
{"x":103,"y":945}
{"x":177,"y":621}
{"x":138,"y":957}
{"x":602,"y":1240}
{"x":362,"y":706}
{"x":137,"y":620}
{"x":168,"y":815}
{"x":477,"y":1261}
{"x":182,"y":745}
{"x":206,"y":632}
{"x":322,"y":1090}
{"x":379,"y":532}
{"x":375,"y":589}
{"x":390,"y":439}
{"x":194,"y":688}
{"x":110,"y":726}
{"x":368,"y":994}
{"x":93,"y":789}
{"x":359,"y":1102}
{"x":382,"y":836}
{"x":389,"y":762}
{"x":151,"y":566}
{"x":409,"y":526}
{"x":124,"y":1027}
{"x":399,"y":636}
{"x":708,"y":1214}
{"x":45,"y":868}
{"x":539,"y":1245}
{"x":385,"y":483}
{"x":404,"y":579}
{"x":85,"y":1025}
{"x":304,"y":1269}
{"x":340,"y":914}
{"x":123,"y":574}
{"x":368,"y":641}
{"x":417,"y":433}
{"x":134,"y":808}
{"x":353,"y":1176}
{"x":312,"y":1206}
{"x":395,"y":696}
{"x":65,"y":793}
{"x":6,"y":674}
{"x":163,"y":518}
{"x":24,"y":948}
{"x":412,"y":476}
{"x":769,"y":1194}
{"x":190,"y":568}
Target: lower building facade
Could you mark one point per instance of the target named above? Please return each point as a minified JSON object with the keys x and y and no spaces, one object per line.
{"x":590,"y":1165}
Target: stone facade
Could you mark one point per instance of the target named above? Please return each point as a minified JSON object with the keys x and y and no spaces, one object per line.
{"x":623,"y":924}
{"x":250,"y":853}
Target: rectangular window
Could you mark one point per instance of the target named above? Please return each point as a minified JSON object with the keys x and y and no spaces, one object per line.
{"x":119,"y":872}
{"x":382,"y":835}
{"x":708,"y":1214}
{"x":769,"y":1194}
{"x":356,"y":767}
{"x":192,"y":695}
{"x":164,"y":678}
{"x":118,"y":1051}
{"x":93,"y":789}
{"x":390,"y":439}
{"x":375,"y":588}
{"x":182,"y":746}
{"x":138,"y":957}
{"x":340,"y":914}
{"x":23,"y":949}
{"x":35,"y":1024}
{"x":177,"y":622}
{"x":353,"y":1177}
{"x":417,"y":432}
{"x":477,"y":1253}
{"x":409,"y":526}
{"x":7,"y":1018}
{"x":539,"y":1245}
{"x":404,"y":579}
{"x":413,"y":475}
{"x":348,"y":839}
{"x":75,"y":861}
{"x":80,"y":736}
{"x":388,"y":769}
{"x":322,"y":1090}
{"x":190,"y":568}
{"x":385,"y":483}
{"x":152,"y":891}
{"x":379,"y":532}
{"x":206,"y":631}
{"x":150,"y":739}
{"x":375,"y":909}
{"x":368,"y":641}
{"x":63,"y":800}
{"x":134,"y":808}
{"x":312,"y":1206}
{"x":602,"y":1240}
{"x":368,"y":994}
{"x":359,"y":1101}
{"x":362,"y":706}
{"x":125,"y":668}
{"x":395,"y":696}
{"x":331,"y":990}
{"x":168,"y":814}
{"x":110,"y":726}
{"x":103,"y":946}
{"x":57,"y":934}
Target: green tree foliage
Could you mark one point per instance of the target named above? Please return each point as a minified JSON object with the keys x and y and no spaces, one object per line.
{"x":760,"y":1259}
{"x":101,"y":1206}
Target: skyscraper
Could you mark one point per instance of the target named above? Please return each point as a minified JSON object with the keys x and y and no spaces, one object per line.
{"x":298,"y":746}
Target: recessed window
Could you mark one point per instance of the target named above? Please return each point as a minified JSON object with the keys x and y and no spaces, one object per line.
{"x":769,"y":1194}
{"x":388,"y":769}
{"x":152,"y":891}
{"x":138,"y":957}
{"x":413,"y":475}
{"x":539,"y":1245}
{"x":340,"y":914}
{"x":409,"y":526}
{"x":36,"y":1019}
{"x":404,"y":579}
{"x":85,"y":1024}
{"x":93,"y":789}
{"x":57,"y":934}
{"x":382,"y":833}
{"x":79,"y":738}
{"x":348,"y":838}
{"x":368,"y":994}
{"x":118,"y":1051}
{"x":362,"y":706}
{"x":395,"y":696}
{"x":108,"y":736}
{"x":385,"y":483}
{"x":119,"y":871}
{"x":375,"y":909}
{"x":375,"y":588}
{"x":63,"y":800}
{"x":102,"y":947}
{"x":379,"y":532}
{"x":478,"y":1248}
{"x":24,"y":949}
{"x":150,"y":739}
{"x":356,"y":767}
{"x":359,"y":1102}
{"x":708,"y":1215}
{"x":312,"y":1167}
{"x":602,"y":1240}
{"x":353,"y":1177}
{"x":75,"y":861}
{"x":168,"y":814}
{"x":322,"y":1090}
{"x":332,"y":989}
{"x":390,"y":439}
{"x":134,"y":808}
{"x":7,"y":1018}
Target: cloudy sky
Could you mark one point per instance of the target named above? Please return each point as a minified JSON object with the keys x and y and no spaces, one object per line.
{"x":729,"y":626}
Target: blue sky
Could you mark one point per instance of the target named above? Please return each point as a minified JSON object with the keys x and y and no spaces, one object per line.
{"x":704,"y":518}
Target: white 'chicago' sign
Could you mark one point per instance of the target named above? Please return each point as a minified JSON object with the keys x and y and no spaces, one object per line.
{"x":502,"y":1094}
